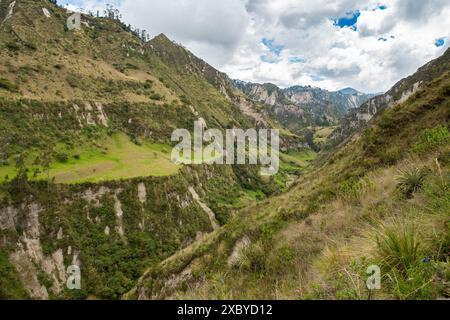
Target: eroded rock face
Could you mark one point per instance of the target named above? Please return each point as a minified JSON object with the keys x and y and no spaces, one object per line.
{"x":94,"y":196}
{"x":101,"y":115}
{"x":249,"y":110}
{"x":263,"y":95}
{"x":42,"y":253}
{"x":29,"y":258}
{"x":46,"y":12}
{"x":299,"y":107}
{"x":10,"y":11}
{"x":8,"y":218}
{"x":119,"y":214}
{"x":208,"y":211}
{"x":142,"y":193}
{"x":28,"y":275}
{"x":88,"y":115}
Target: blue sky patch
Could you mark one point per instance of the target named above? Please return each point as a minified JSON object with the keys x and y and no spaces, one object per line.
{"x":317,"y":78}
{"x":439,"y":42}
{"x":296,"y":60}
{"x":349,"y":20}
{"x":274,"y":51}
{"x":273,"y":48}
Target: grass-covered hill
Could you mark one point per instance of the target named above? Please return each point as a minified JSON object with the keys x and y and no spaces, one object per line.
{"x":381,"y":199}
{"x":86,"y":178}
{"x":69,"y":92}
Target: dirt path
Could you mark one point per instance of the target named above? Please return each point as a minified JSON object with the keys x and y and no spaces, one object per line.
{"x":211,"y":214}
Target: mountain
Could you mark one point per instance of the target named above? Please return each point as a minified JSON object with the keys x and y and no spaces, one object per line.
{"x":379,"y":202}
{"x":359,"y":118}
{"x":349,"y":91}
{"x":86,"y":177}
{"x":184,"y":62}
{"x":299,"y":108}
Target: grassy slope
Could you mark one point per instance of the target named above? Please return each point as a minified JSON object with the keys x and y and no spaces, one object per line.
{"x":122,"y":159}
{"x":145,"y":96}
{"x":45,"y":70}
{"x":317,"y":240}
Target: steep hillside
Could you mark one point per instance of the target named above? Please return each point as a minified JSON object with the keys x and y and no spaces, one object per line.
{"x":382,"y":199}
{"x":185,"y":63}
{"x":86,"y":178}
{"x":86,"y":118}
{"x":358,"y":118}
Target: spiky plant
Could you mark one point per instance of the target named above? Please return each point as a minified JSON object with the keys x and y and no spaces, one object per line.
{"x":410,"y":181}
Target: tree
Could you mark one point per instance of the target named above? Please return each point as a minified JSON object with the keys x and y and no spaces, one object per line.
{"x":112,"y":13}
{"x":20,"y":182}
{"x":45,"y":160}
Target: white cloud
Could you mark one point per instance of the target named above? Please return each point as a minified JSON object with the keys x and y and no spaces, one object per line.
{"x":387,"y":46}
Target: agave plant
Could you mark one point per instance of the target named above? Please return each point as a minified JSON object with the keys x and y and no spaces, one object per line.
{"x":411,"y":181}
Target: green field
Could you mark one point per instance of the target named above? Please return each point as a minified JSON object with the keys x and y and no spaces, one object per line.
{"x":122,"y":160}
{"x":300,"y":159}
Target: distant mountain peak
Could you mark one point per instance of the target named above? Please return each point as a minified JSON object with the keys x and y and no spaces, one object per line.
{"x":349,"y":91}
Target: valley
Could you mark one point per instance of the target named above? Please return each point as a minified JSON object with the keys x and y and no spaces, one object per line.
{"x":87,"y":179}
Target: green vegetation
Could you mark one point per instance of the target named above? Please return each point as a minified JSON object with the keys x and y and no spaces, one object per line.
{"x":430,"y":139}
{"x":317,"y":240}
{"x":122,"y":160}
{"x":85,"y":174}
{"x":8,"y":85}
{"x":411,"y":181}
{"x":398,"y":245}
{"x":10,"y":285}
{"x":299,"y":158}
{"x":118,"y":159}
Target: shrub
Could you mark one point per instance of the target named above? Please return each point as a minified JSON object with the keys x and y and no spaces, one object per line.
{"x":73,"y":81}
{"x":8,"y":85}
{"x":131,"y":66}
{"x":61,"y":157}
{"x":411,"y":181}
{"x":419,"y":283}
{"x":353,"y":189}
{"x":148,"y":84}
{"x":12,"y":47}
{"x":31,"y":46}
{"x":156,"y":97}
{"x":431,"y":139}
{"x":185,"y":99}
{"x":254,"y":259}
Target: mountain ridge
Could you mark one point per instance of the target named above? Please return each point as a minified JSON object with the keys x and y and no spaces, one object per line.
{"x":359,"y":118}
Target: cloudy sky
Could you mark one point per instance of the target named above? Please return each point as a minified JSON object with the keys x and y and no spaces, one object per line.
{"x":365,"y":44}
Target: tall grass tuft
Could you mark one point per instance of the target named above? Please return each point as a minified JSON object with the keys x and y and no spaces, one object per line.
{"x":398,"y":245}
